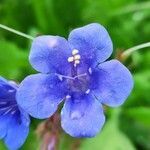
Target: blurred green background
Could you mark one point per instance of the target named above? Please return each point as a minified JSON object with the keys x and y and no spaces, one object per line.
{"x":128,"y":22}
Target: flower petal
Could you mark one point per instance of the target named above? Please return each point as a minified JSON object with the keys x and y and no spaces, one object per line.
{"x":50,"y":54}
{"x":92,"y":41}
{"x":2,"y":80}
{"x":17,"y":132}
{"x":6,"y":90}
{"x":82,"y":116}
{"x":40,"y":94}
{"x":4,"y":121}
{"x":115,"y":83}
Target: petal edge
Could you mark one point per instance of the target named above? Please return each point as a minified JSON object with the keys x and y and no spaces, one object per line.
{"x":115,"y":83}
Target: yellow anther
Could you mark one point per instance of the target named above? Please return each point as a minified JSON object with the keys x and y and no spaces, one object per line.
{"x":75,"y":51}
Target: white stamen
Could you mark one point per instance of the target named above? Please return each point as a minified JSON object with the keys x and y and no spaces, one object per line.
{"x":60,"y":77}
{"x":90,"y":70}
{"x":77,"y":61}
{"x":77,"y":57}
{"x":68,"y":97}
{"x":75,"y":51}
{"x":88,"y":91}
{"x":7,"y":111}
{"x":70,"y":59}
{"x":5,"y":108}
{"x":13,"y":112}
{"x":3,"y":103}
{"x":80,"y":75}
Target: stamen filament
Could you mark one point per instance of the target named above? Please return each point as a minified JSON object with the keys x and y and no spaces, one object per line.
{"x":68,"y":77}
{"x":9,"y":110}
{"x":8,"y":107}
{"x":80,"y":75}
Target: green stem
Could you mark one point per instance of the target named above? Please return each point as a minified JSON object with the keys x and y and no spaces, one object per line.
{"x":16,"y":32}
{"x":129,"y":51}
{"x":115,"y":114}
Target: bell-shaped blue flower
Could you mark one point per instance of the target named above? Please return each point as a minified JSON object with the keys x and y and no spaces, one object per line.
{"x":14,"y":122}
{"x":74,"y":70}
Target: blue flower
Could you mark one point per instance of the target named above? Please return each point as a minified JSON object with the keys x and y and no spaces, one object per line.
{"x":14,"y":122}
{"x":74,"y":70}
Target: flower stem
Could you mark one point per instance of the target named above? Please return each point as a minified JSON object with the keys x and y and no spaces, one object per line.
{"x":129,"y":51}
{"x":16,"y":32}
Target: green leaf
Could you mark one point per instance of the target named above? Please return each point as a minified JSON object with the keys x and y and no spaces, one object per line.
{"x":2,"y":146}
{"x":66,"y":142}
{"x":140,"y":94}
{"x":140,"y":59}
{"x":32,"y":142}
{"x":140,"y":114}
{"x":12,"y":60}
{"x":46,"y":18}
{"x":110,"y":138}
{"x":135,"y":128}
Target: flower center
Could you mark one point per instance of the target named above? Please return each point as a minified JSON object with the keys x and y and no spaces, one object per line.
{"x":78,"y":79}
{"x":80,"y":83}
